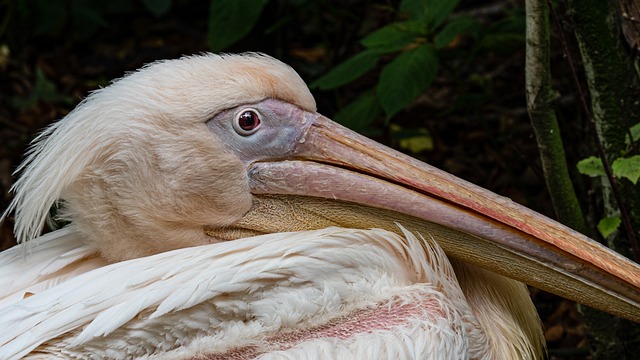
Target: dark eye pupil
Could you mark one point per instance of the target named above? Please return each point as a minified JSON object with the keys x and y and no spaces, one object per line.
{"x":248,"y":120}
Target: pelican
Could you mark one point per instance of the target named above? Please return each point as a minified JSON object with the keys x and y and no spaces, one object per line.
{"x":213,"y":213}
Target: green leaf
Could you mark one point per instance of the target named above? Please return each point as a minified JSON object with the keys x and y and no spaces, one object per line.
{"x":591,"y":166}
{"x":608,"y":226}
{"x":406,"y":77}
{"x":431,"y":12}
{"x":451,"y":30}
{"x":415,"y":140}
{"x":157,"y":7}
{"x":231,"y":20}
{"x":415,"y":9}
{"x":438,"y":11}
{"x":348,"y":71}
{"x":635,"y":134}
{"x":392,"y":37}
{"x":361,"y":113}
{"x":627,"y":168}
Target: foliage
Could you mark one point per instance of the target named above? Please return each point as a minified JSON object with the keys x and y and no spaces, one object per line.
{"x":413,"y":42}
{"x":231,"y":20}
{"x":633,"y":135}
{"x":591,"y":166}
{"x":359,"y":113}
{"x":623,"y":167}
{"x":406,"y":77}
{"x":628,"y":168}
{"x":406,"y":57}
{"x":412,"y":140}
{"x":349,"y":70}
{"x":609,"y":225}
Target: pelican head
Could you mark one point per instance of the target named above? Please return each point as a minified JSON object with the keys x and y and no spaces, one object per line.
{"x":213,"y":148}
{"x":142,"y":156}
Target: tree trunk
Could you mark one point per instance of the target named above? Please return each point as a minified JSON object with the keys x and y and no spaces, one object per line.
{"x":613,"y":90}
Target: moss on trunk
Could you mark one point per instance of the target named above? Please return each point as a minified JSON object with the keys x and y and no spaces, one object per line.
{"x":613,"y":89}
{"x":541,"y":101}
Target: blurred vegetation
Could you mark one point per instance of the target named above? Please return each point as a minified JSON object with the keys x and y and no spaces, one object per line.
{"x":439,"y":79}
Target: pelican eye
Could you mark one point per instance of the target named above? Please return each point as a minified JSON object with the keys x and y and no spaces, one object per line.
{"x":246,"y":122}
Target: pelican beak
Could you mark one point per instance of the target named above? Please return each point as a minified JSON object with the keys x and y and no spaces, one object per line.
{"x":330,"y":161}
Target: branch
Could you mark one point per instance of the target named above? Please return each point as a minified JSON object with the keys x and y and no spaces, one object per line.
{"x":540,"y":104}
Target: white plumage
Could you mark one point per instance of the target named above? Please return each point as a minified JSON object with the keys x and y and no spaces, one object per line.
{"x":245,"y":296}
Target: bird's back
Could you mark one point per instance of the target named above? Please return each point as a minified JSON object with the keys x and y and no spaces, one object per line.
{"x":342,"y":293}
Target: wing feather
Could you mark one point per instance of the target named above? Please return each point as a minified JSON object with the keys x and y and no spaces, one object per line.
{"x":96,"y":303}
{"x":54,"y":258}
